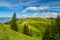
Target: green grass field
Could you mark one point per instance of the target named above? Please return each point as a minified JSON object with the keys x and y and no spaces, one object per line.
{"x":38,"y":26}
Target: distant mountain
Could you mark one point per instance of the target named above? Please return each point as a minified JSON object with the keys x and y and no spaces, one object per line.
{"x":4,"y":19}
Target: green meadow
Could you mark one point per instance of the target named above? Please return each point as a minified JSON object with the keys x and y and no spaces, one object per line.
{"x":35,"y":29}
{"x":38,"y":26}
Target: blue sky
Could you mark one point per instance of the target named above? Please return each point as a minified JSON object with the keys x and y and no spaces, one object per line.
{"x":29,"y":8}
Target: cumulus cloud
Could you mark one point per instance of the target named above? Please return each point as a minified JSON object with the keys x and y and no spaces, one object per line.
{"x":56,"y":7}
{"x":35,"y":8}
{"x":44,"y":15}
{"x":8,"y":5}
{"x":35,"y":15}
{"x":16,"y":5}
{"x":25,"y":16}
{"x":49,"y":14}
{"x":29,"y":8}
{"x":26,"y":3}
{"x":5,"y":4}
{"x":43,"y":7}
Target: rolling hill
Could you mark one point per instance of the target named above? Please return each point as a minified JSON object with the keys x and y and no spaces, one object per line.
{"x":38,"y":26}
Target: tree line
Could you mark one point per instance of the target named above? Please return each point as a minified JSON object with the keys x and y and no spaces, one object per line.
{"x":53,"y":31}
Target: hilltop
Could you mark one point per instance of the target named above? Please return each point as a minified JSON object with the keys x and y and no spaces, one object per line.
{"x":38,"y":26}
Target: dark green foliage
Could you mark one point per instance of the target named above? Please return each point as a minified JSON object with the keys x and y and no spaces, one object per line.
{"x":53,"y":32}
{"x":26,"y":29}
{"x":57,"y":23}
{"x":30,"y":33}
{"x":55,"y":28}
{"x":38,"y":34}
{"x":46,"y":34}
{"x":6,"y":23}
{"x":14,"y":23}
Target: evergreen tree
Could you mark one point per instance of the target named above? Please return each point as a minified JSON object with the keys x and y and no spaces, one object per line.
{"x":54,"y":29}
{"x":57,"y":27}
{"x":57,"y":23}
{"x":13,"y":23}
{"x":46,"y":34}
{"x":26,"y":29}
{"x":30,"y":33}
{"x":52,"y":32}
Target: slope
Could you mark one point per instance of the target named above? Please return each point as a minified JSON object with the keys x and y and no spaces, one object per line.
{"x":7,"y":34}
{"x":38,"y":25}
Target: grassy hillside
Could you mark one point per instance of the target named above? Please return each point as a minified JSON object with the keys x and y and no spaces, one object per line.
{"x":38,"y":26}
{"x":7,"y":34}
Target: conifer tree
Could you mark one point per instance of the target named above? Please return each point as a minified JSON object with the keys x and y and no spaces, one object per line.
{"x":30,"y":32}
{"x":48,"y":32}
{"x":26,"y":29}
{"x":57,"y":23}
{"x":57,"y":26}
{"x":14,"y":23}
{"x":52,"y":32}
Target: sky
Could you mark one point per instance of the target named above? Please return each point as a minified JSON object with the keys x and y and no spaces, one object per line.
{"x":29,"y":8}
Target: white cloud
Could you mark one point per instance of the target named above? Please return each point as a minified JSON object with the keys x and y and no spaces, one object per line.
{"x":43,"y":7}
{"x":25,"y":16}
{"x":49,"y":14}
{"x":29,"y":8}
{"x":17,"y":5}
{"x":3,"y":4}
{"x":56,"y":7}
{"x":35,"y":15}
{"x":35,"y":8}
{"x":45,"y":14}
{"x":8,"y":5}
{"x":28,"y":3}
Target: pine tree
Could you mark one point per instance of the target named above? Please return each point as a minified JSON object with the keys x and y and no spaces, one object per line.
{"x":30,"y":32}
{"x":57,"y":23}
{"x":48,"y":32}
{"x":53,"y":30}
{"x":13,"y":23}
{"x":57,"y":26}
{"x":26,"y":29}
{"x":53,"y":33}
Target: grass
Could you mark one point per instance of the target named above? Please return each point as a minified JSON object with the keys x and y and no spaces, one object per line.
{"x":7,"y":34}
{"x":38,"y":26}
